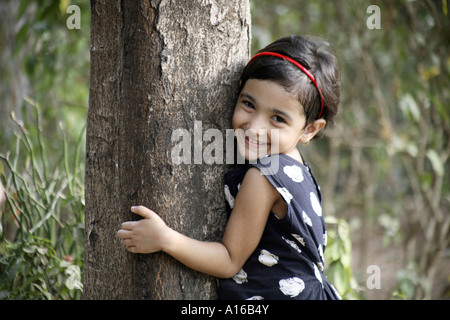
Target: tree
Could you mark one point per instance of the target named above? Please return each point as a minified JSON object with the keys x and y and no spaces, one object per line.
{"x":156,"y":66}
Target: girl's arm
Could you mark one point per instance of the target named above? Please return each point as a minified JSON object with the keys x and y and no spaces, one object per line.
{"x":243,"y":232}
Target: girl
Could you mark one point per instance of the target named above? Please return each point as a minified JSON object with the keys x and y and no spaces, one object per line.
{"x":275,"y":237}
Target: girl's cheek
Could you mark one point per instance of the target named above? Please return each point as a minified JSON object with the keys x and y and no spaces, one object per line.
{"x":275,"y":138}
{"x":235,"y":120}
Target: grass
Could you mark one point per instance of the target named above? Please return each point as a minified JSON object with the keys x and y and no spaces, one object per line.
{"x":42,"y":217}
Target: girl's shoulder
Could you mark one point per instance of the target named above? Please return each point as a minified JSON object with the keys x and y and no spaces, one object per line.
{"x":255,"y":187}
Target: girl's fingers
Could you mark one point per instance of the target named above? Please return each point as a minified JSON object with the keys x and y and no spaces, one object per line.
{"x":131,"y":249}
{"x":129,"y":225}
{"x":124,"y":234}
{"x":143,"y":211}
{"x":140,"y":210}
{"x":127,"y":242}
{"x":136,"y":236}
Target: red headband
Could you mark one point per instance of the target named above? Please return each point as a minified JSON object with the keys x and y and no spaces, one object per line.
{"x":300,"y":67}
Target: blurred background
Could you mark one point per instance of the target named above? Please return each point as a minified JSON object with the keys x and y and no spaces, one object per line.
{"x":383,"y":167}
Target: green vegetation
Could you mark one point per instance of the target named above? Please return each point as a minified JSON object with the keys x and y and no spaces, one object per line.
{"x":42,"y":150}
{"x":42,"y":225}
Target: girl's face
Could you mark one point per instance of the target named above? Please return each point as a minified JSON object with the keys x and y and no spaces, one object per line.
{"x":269,"y":120}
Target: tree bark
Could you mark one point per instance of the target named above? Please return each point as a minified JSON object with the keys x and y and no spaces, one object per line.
{"x":156,"y":66}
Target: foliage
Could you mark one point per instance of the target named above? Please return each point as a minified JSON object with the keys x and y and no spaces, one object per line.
{"x":338,"y":258}
{"x":42,"y":149}
{"x":42,"y":224}
{"x":30,"y":269}
{"x":49,"y":61}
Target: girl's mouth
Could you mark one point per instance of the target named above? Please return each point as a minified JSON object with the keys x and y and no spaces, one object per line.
{"x":251,"y":146}
{"x":255,"y":143}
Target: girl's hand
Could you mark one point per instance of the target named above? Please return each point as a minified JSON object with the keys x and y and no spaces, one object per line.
{"x":144,"y":236}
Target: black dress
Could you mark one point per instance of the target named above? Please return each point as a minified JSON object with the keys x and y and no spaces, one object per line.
{"x":288,"y":262}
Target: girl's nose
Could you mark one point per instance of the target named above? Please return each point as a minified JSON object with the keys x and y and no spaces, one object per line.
{"x":256,"y":125}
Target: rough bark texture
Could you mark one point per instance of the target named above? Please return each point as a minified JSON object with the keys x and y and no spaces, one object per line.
{"x":156,"y":66}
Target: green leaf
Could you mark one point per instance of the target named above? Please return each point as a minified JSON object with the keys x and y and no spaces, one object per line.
{"x":409,"y":107}
{"x":74,"y":279}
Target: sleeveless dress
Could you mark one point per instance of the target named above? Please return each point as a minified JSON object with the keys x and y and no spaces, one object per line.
{"x":288,"y":262}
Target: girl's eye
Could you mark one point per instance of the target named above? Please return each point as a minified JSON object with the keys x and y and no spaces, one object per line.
{"x":278,"y":119}
{"x":248,"y":104}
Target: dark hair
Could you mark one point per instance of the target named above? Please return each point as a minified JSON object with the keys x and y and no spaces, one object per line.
{"x":315,"y":57}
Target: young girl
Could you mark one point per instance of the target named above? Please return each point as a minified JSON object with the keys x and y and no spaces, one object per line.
{"x":275,"y":237}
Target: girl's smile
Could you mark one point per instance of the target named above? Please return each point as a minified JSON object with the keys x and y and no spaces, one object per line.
{"x":253,"y":144}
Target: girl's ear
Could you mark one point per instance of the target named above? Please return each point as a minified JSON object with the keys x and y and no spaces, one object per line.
{"x":311,"y":130}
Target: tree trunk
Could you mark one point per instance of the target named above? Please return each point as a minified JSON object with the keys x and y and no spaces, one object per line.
{"x":156,"y":66}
